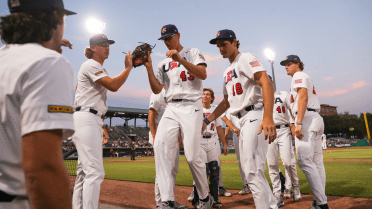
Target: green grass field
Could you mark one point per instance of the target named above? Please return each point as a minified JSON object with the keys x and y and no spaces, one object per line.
{"x":353,"y":179}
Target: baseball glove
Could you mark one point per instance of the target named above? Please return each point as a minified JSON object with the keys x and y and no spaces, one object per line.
{"x":139,"y":54}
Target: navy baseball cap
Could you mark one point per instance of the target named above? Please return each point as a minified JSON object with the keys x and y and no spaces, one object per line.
{"x":223,"y":34}
{"x":290,"y":58}
{"x":168,"y":30}
{"x":100,"y":38}
{"x":28,"y":5}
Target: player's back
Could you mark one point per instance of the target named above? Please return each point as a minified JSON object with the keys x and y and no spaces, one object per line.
{"x":27,"y":71}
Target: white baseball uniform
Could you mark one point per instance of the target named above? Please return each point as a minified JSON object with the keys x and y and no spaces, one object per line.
{"x":157,"y":102}
{"x":235,"y":122}
{"x":309,"y":148}
{"x":36,"y":91}
{"x":324,"y":144}
{"x":88,"y":135}
{"x":209,"y":143}
{"x":245,"y":94}
{"x":282,"y":145}
{"x":184,"y":112}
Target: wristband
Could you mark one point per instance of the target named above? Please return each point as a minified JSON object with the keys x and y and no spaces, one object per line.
{"x":206,"y":121}
{"x":299,"y":124}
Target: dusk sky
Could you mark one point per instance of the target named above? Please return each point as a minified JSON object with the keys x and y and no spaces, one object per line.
{"x":332,"y":38}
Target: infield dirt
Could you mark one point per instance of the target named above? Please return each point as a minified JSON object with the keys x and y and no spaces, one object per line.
{"x":126,"y":194}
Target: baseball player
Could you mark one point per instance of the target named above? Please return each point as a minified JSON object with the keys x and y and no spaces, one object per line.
{"x":282,"y":145}
{"x":181,"y":74}
{"x":36,"y":91}
{"x":324,"y":144}
{"x":156,"y":111}
{"x":309,"y":129}
{"x":235,"y":127}
{"x":250,"y":96}
{"x":90,"y":107}
{"x":210,"y":151}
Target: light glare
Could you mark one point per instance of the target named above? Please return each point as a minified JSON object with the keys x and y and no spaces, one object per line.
{"x":94,"y":25}
{"x":270,"y":54}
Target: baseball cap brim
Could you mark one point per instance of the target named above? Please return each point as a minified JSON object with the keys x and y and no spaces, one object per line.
{"x":213,"y":41}
{"x":68,"y":12}
{"x":165,"y":35}
{"x":103,"y":41}
{"x":284,"y":62}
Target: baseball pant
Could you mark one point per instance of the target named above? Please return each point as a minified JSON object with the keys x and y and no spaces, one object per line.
{"x":90,"y":172}
{"x":324,"y":144}
{"x":310,"y":155}
{"x":237,"y":152}
{"x":210,"y":150}
{"x":293,"y":168}
{"x":282,"y":145}
{"x":187,"y":117}
{"x":174,"y":167}
{"x":253,"y":152}
{"x":220,"y":180}
{"x":19,"y":202}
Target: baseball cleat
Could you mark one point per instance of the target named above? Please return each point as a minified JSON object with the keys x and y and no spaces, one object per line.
{"x":279,"y":200}
{"x":223,"y":192}
{"x":217,"y":204}
{"x":313,"y":205}
{"x":180,"y":206}
{"x":287,"y":194}
{"x":296,"y":193}
{"x":164,"y":205}
{"x":191,"y":196}
{"x":206,"y":205}
{"x":245,"y":190}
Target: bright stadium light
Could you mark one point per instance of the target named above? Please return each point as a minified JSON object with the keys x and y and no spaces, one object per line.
{"x":94,"y":25}
{"x":270,"y":54}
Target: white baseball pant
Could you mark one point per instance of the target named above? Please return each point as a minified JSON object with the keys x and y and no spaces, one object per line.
{"x":174,"y":166}
{"x":187,"y":117}
{"x":18,"y":203}
{"x":90,"y":172}
{"x":282,"y":145}
{"x":237,"y":152}
{"x":293,"y":168}
{"x":310,"y":155}
{"x":324,"y":144}
{"x":253,"y":152}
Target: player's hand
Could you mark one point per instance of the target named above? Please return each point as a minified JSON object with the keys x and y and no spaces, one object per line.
{"x":149,"y":61}
{"x":65,"y":43}
{"x":237,"y":131}
{"x":174,"y":55}
{"x":128,"y":61}
{"x":268,"y":126}
{"x":225,"y":149}
{"x":298,"y":131}
{"x":105,"y":139}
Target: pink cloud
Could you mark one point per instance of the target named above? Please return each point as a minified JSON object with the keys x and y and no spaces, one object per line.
{"x":213,"y":57}
{"x":328,"y":78}
{"x":358,"y":84}
{"x":350,"y":87}
{"x":131,"y":91}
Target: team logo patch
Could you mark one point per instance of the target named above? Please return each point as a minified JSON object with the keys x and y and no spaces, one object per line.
{"x":298,"y":81}
{"x":99,"y":72}
{"x":59,"y":109}
{"x":201,"y":56}
{"x":163,"y":30}
{"x":254,"y":64}
{"x":218,"y":34}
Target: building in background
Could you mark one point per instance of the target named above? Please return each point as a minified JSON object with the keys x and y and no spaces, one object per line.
{"x":328,"y":109}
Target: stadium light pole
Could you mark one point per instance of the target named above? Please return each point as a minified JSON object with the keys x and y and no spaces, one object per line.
{"x":270,"y":55}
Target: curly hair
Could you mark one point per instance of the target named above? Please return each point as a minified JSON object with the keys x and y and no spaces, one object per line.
{"x":211,"y":91}
{"x":30,"y":26}
{"x":301,"y":66}
{"x":88,"y":52}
